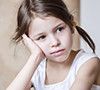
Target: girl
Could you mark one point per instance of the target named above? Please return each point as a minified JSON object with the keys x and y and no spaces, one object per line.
{"x":47,"y":27}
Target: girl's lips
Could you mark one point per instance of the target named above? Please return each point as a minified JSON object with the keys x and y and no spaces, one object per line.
{"x":58,"y":52}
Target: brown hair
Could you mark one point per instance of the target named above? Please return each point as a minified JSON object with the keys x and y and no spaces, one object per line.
{"x":31,"y":8}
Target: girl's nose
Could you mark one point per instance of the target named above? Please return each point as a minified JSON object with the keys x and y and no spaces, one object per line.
{"x":54,"y":41}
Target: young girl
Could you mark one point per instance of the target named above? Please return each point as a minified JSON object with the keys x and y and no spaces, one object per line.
{"x":47,"y":27}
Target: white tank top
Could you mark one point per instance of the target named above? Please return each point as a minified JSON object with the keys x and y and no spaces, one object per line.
{"x":38,"y":78}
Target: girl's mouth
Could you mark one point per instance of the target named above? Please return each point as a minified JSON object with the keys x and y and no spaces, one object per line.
{"x":58,"y":52}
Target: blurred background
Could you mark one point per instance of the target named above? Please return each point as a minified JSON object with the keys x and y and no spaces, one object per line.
{"x":13,"y":57}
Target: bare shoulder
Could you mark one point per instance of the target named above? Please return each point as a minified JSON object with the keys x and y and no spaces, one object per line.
{"x":87,"y":75}
{"x":90,"y":70}
{"x":98,"y":74}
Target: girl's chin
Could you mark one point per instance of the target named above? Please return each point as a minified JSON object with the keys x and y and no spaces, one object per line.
{"x":59,"y":59}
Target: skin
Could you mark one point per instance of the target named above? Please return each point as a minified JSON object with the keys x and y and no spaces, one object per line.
{"x":48,"y":35}
{"x":56,"y":36}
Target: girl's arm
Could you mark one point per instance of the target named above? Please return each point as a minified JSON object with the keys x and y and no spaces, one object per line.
{"x":22,"y":80}
{"x":29,"y":86}
{"x":25,"y":75}
{"x":87,"y":75}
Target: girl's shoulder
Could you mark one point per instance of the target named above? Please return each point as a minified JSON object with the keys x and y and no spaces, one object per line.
{"x":88,"y":67}
{"x":84,"y":54}
{"x":83,"y":57}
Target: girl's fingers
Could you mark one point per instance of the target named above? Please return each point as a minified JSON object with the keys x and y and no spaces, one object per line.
{"x":30,"y":44}
{"x":27,"y":41}
{"x":25,"y":38}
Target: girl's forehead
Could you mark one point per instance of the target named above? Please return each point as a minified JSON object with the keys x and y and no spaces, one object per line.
{"x":45,"y":20}
{"x":43,"y":24}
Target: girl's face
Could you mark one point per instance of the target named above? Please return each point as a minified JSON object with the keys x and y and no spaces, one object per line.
{"x":53,"y":36}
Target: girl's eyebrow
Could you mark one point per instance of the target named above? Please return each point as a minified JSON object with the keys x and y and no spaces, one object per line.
{"x":58,"y":26}
{"x":53,"y":29}
{"x":39,"y":34}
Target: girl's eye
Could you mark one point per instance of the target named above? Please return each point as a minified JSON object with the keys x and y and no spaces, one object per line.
{"x":60,"y":29}
{"x":41,"y":37}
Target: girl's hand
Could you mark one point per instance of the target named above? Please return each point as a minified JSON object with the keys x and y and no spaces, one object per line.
{"x":33,"y":47}
{"x":22,"y":80}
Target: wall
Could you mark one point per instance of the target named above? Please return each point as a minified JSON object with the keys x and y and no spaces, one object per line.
{"x":9,"y":64}
{"x":90,"y":20}
{"x":74,"y":8}
{"x":12,"y":57}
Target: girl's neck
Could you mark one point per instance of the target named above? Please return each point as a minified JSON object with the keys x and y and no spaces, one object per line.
{"x":57,"y":72}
